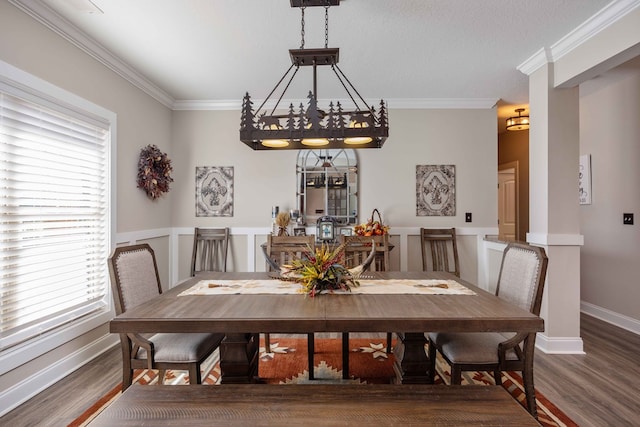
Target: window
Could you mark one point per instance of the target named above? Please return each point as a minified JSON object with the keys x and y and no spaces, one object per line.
{"x":54,"y":211}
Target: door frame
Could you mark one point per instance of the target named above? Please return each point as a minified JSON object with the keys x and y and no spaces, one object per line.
{"x":515,"y":166}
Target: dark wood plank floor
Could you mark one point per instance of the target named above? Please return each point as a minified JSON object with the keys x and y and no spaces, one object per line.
{"x":599,"y":388}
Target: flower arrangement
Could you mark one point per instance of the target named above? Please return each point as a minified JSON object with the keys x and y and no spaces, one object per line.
{"x":372,"y":227}
{"x":154,"y":171}
{"x":322,"y":270}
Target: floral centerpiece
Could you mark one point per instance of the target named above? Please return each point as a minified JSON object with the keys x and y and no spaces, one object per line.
{"x":320,"y":270}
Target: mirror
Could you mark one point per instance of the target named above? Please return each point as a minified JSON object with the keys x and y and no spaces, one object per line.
{"x":327,"y":185}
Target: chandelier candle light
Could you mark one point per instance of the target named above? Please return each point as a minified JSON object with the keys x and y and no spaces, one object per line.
{"x":310,"y":128}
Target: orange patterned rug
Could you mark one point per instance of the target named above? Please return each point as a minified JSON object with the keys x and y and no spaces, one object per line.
{"x":369,"y":364}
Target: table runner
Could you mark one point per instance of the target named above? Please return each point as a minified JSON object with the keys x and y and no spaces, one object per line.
{"x":274,"y":286}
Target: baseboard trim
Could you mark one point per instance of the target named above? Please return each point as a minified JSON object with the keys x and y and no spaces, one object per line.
{"x":617,"y":319}
{"x":25,"y":390}
{"x":559,"y":345}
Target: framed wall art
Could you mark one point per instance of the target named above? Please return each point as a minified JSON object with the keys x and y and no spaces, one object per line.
{"x":584,"y":179}
{"x":435,"y":190}
{"x":214,"y":191}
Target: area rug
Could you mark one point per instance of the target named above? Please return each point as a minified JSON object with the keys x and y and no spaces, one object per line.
{"x":369,"y":363}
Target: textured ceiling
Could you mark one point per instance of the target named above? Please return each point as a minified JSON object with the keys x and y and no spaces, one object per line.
{"x":216,"y":50}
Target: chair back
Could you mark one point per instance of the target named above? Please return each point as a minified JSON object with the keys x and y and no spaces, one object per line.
{"x":134,"y":276}
{"x":283,"y":249}
{"x":440,"y":250}
{"x":358,"y":248}
{"x":522,"y":276}
{"x":210,"y":248}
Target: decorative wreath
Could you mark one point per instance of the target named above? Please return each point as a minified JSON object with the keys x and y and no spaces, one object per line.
{"x":154,"y":171}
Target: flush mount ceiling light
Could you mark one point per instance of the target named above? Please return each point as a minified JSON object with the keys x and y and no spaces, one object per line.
{"x":312,"y":127}
{"x":518,"y":122}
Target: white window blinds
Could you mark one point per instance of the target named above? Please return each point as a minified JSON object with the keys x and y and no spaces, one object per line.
{"x":54,"y":217}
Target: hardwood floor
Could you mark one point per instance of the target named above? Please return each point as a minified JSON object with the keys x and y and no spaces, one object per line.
{"x":599,"y":388}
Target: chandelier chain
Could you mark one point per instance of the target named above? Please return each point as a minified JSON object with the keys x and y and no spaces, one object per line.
{"x":326,"y":25}
{"x":302,"y":27}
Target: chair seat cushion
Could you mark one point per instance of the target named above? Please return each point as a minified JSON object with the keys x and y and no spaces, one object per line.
{"x":470,"y":347}
{"x":182,"y":347}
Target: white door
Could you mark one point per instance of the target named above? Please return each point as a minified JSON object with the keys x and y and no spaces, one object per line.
{"x":507,"y":204}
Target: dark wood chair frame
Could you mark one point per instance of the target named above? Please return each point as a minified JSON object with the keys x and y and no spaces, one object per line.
{"x":357,"y":249}
{"x":131,"y":342}
{"x":278,"y":251}
{"x":210,"y":249}
{"x":522,"y":343}
{"x":441,"y":244}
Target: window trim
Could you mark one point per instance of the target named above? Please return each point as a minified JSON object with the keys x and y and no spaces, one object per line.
{"x":20,"y":83}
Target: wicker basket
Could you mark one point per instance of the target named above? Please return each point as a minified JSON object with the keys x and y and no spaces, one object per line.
{"x":373,"y":227}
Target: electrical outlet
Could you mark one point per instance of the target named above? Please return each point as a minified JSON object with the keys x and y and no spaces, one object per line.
{"x":467,"y":217}
{"x":627,"y":218}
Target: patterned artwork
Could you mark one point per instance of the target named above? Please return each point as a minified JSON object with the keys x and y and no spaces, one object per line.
{"x":584,"y":179}
{"x":435,"y":190}
{"x":214,"y":191}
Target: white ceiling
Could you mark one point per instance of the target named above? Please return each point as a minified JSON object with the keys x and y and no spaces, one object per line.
{"x":405,"y":51}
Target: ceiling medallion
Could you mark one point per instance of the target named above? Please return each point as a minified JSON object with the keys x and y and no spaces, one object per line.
{"x":310,"y":127}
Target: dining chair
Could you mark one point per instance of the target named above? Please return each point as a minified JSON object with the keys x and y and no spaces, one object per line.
{"x":210,"y":248}
{"x":357,"y":249}
{"x":135,"y":281}
{"x":281,"y":250}
{"x":520,"y":282}
{"x":440,"y":250}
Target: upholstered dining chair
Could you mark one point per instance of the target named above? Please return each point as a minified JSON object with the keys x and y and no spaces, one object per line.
{"x":281,"y":250}
{"x":210,"y":248}
{"x":520,"y":282}
{"x":357,"y":249}
{"x":135,"y":281}
{"x":440,"y":250}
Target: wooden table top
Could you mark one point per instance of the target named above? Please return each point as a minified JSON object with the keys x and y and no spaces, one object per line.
{"x":320,"y":405}
{"x":482,"y":312}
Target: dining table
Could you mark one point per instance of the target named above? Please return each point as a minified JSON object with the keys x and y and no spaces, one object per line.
{"x":243,"y":304}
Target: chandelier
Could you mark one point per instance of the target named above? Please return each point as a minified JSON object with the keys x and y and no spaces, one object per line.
{"x":310,"y":127}
{"x":518,"y":122}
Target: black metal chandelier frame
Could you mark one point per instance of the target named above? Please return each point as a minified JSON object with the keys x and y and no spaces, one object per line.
{"x":312,"y":127}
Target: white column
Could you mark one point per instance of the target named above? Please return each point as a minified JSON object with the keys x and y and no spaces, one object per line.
{"x":554,"y":221}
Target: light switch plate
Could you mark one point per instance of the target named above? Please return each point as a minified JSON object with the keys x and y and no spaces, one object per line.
{"x":627,"y":218}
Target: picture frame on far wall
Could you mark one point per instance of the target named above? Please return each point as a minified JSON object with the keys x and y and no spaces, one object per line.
{"x":299,"y":231}
{"x":214,"y":191}
{"x":346,"y":231}
{"x":584,"y":179}
{"x":435,"y":190}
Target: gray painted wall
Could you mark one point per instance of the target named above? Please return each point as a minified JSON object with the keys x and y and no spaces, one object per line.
{"x":610,"y":132}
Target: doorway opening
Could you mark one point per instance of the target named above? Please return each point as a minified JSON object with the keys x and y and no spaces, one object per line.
{"x":508,"y":201}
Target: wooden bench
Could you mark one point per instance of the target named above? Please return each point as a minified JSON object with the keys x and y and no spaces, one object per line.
{"x":266,"y":405}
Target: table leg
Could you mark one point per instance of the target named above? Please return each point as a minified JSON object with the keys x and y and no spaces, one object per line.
{"x":527,"y":374}
{"x":411,"y":362}
{"x":345,"y":355}
{"x":239,"y":354}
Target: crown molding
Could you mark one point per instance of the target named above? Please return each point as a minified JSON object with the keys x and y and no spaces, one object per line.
{"x":396,"y":104}
{"x":603,"y":19}
{"x":59,"y":25}
{"x":535,"y":61}
{"x":606,"y":17}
